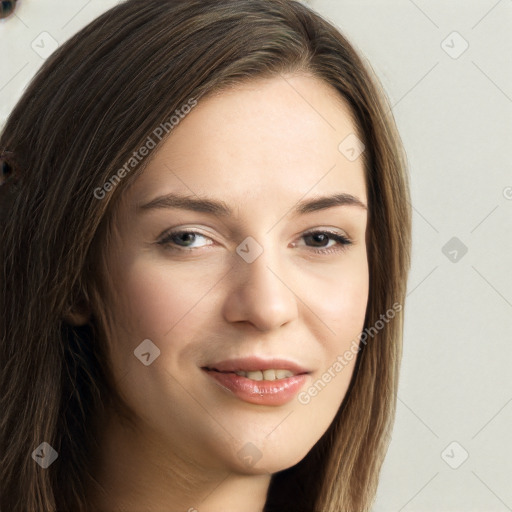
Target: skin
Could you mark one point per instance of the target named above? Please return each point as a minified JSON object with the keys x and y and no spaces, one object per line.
{"x":261,"y":148}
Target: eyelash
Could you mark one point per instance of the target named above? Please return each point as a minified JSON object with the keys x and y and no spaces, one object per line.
{"x":342,"y":241}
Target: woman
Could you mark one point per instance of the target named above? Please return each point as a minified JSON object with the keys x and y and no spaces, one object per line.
{"x":205,"y":245}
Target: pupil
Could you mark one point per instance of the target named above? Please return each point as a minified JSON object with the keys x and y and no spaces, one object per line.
{"x":187,"y":237}
{"x":319,"y":237}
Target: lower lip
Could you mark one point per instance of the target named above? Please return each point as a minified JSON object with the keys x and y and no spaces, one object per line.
{"x":260,"y":392}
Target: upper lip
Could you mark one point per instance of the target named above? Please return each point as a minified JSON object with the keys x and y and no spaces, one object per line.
{"x":252,"y":364}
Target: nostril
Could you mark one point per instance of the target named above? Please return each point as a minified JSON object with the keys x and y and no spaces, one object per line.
{"x":7,"y":8}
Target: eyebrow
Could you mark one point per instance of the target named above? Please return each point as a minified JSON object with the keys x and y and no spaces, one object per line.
{"x":221,"y":209}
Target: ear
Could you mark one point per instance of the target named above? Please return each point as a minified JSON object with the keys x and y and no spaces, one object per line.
{"x":77,"y":315}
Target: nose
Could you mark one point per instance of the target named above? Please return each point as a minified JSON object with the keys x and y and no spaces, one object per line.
{"x":260,"y":294}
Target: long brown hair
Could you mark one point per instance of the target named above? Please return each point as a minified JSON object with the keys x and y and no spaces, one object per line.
{"x":91,"y":105}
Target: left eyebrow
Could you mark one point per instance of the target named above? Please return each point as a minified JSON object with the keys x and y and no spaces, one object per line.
{"x":221,"y":209}
{"x":324,"y":202}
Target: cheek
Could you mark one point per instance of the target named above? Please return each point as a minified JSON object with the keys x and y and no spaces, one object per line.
{"x":155,"y":302}
{"x":339,"y":305}
{"x":157,"y":298}
{"x":339,"y":298}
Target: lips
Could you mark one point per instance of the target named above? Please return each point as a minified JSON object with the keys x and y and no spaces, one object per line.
{"x":254,"y":364}
{"x":245,"y":379}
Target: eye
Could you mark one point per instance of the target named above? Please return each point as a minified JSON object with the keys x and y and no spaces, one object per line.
{"x":322,"y":238}
{"x":185,"y":237}
{"x":183,"y":240}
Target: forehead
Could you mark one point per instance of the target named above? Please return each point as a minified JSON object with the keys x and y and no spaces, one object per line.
{"x":272,"y":138}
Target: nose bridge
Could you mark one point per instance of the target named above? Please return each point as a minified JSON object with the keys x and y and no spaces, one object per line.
{"x":258,"y":274}
{"x":260,"y":294}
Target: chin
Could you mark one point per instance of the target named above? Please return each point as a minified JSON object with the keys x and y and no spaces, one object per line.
{"x":251,"y":460}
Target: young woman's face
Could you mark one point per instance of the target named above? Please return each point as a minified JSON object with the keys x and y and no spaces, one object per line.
{"x":245,"y":288}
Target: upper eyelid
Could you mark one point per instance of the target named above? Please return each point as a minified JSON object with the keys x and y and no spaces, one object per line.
{"x":306,"y":231}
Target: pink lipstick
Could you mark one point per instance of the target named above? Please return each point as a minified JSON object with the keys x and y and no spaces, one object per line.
{"x":259,"y":381}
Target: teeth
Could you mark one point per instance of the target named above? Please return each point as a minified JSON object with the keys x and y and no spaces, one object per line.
{"x":266,"y":374}
{"x":269,"y":375}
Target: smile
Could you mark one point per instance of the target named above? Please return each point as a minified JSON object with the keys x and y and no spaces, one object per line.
{"x":260,"y":375}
